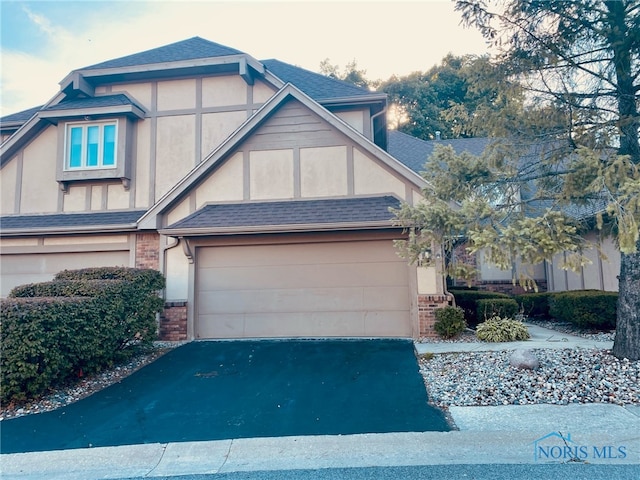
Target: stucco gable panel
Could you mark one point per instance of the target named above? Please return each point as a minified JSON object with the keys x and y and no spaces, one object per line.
{"x":272,"y":142}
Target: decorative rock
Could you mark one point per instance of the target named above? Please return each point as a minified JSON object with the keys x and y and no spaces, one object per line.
{"x":524,"y":360}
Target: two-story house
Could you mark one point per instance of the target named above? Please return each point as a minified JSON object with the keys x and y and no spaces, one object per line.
{"x":260,"y":190}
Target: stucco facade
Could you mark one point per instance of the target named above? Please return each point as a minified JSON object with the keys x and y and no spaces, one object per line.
{"x":193,"y":126}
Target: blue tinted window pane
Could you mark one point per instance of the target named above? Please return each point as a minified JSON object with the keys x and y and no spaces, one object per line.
{"x":93,"y":141}
{"x":75,"y":147}
{"x":109,"y":149}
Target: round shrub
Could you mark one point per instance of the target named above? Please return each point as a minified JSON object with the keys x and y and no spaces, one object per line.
{"x":449,"y":322}
{"x":498,"y":329}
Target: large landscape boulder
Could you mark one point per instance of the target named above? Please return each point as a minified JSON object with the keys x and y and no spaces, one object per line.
{"x":524,"y":359}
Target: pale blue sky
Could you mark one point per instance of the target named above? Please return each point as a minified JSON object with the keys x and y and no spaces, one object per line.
{"x":42,"y":41}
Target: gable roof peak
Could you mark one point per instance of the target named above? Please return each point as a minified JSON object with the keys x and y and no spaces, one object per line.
{"x":189,"y":49}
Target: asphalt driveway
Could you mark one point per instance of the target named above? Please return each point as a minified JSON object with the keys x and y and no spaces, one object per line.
{"x":238,"y":389}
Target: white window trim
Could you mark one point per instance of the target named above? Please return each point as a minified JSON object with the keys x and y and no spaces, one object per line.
{"x":85,"y":125}
{"x":121,"y":170}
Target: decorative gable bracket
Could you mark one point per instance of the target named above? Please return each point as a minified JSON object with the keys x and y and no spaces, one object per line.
{"x":186,"y":248}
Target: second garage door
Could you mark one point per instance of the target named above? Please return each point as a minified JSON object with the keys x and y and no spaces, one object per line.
{"x":341,"y":289}
{"x":32,"y":268}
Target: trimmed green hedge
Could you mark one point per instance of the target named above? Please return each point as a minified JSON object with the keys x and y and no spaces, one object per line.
{"x":85,"y":321}
{"x":42,"y":342}
{"x":496,"y":307}
{"x":467,"y":300}
{"x":145,"y":278}
{"x":535,"y":304}
{"x":585,"y":308}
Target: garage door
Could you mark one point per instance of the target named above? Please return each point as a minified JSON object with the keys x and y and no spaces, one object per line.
{"x":21,"y":269}
{"x":344,"y":289}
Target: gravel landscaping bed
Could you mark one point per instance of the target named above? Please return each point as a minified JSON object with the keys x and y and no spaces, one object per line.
{"x":565,"y":376}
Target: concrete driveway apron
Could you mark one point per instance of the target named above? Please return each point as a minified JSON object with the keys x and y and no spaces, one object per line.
{"x":214,"y":390}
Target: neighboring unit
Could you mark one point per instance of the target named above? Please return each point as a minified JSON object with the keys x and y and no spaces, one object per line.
{"x":600,"y":274}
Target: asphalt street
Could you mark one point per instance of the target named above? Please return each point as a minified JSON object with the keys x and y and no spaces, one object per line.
{"x":434,"y":472}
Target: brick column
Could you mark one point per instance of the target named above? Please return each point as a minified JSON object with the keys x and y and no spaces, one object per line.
{"x":427,"y":306}
{"x":148,"y":250}
{"x":173,"y":322}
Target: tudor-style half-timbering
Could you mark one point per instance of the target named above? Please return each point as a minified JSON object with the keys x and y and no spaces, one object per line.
{"x":260,"y":190}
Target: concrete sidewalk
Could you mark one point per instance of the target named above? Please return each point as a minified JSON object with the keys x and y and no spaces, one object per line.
{"x":540,"y":338}
{"x":604,"y":434}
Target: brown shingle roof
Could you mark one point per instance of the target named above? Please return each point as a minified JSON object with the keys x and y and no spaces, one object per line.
{"x":300,"y":212}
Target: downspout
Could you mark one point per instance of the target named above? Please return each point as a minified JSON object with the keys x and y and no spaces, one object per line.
{"x":168,"y":246}
{"x":373,"y":117}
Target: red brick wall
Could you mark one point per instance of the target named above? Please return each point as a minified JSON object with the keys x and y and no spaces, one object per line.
{"x":427,"y":306}
{"x":148,"y":250}
{"x":173,"y":322}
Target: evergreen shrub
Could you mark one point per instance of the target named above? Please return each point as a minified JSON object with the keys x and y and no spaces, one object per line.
{"x":467,"y":298}
{"x":495,"y":307}
{"x":449,"y":322}
{"x":586,"y":309}
{"x":535,"y":304}
{"x":81,"y":322}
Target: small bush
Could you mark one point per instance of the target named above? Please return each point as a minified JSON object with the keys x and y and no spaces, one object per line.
{"x":498,"y":329}
{"x":449,"y":322}
{"x":535,"y":304}
{"x":466,"y":299}
{"x":495,"y":307}
{"x":585,"y":308}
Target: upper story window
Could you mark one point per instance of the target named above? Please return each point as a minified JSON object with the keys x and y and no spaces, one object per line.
{"x":91,"y":145}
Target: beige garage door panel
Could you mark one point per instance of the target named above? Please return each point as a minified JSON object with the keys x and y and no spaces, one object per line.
{"x":327,"y":289}
{"x":318,"y":324}
{"x":291,"y":276}
{"x":313,"y":300}
{"x":22,"y":269}
{"x":291,"y":254}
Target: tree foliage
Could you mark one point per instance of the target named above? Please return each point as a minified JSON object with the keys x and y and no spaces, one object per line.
{"x":565,"y":159}
{"x":351,"y":73}
{"x":458,"y":98}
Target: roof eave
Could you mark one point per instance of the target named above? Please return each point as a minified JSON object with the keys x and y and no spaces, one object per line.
{"x":288,"y":228}
{"x":12,"y":145}
{"x":354,"y":100}
{"x":242,"y":60}
{"x":29,"y":232}
{"x":128,"y":110}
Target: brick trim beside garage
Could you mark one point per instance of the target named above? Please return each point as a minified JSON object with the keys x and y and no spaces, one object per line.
{"x":173,"y":319}
{"x":427,"y":306}
{"x":173,"y":322}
